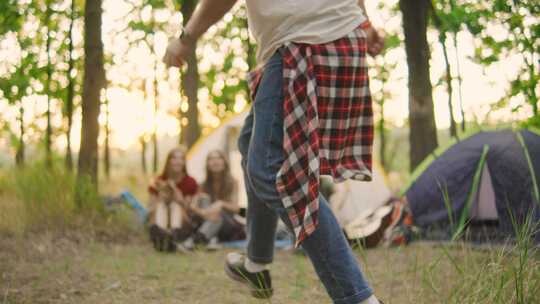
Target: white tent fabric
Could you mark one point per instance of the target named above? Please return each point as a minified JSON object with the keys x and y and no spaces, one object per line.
{"x":352,"y":199}
{"x":223,"y":138}
{"x":484,"y":207}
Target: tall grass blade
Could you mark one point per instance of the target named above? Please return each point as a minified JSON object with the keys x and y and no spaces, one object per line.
{"x":448,"y":206}
{"x":536,"y":191}
{"x":472,"y":194}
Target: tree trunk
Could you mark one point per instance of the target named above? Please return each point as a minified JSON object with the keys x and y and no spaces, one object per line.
{"x":453,"y":128}
{"x":48,"y":132}
{"x":460,"y":83}
{"x":448,"y":77}
{"x":70,"y":90}
{"x":458,"y":66}
{"x":155,"y":158}
{"x":142,"y":140}
{"x":94,"y":79}
{"x":107,"y":148}
{"x":250,"y":56}
{"x":532,"y":98}
{"x":250,"y":52}
{"x":382,"y":137}
{"x":423,"y":132}
{"x":19,"y":155}
{"x":190,"y":85}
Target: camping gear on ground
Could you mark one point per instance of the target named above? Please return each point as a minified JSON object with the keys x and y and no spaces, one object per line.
{"x":126,"y":197}
{"x":361,"y":209}
{"x":368,"y":228}
{"x":401,"y":230}
{"x":142,"y":213}
{"x":486,"y":182}
{"x":352,"y":200}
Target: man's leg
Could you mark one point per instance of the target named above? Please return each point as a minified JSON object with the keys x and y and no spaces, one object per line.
{"x":327,"y":247}
{"x":261,"y":220}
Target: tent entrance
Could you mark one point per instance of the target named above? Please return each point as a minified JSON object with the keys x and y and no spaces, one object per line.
{"x":485,"y":208}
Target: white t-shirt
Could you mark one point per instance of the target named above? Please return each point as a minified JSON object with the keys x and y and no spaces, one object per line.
{"x":275,"y":22}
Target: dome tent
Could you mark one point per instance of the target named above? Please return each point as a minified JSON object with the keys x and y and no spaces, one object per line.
{"x":488,"y":177}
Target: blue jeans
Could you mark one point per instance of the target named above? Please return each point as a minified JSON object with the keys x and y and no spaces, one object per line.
{"x":261,"y":146}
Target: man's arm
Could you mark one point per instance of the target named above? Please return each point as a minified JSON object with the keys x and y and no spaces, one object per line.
{"x":374,"y":40}
{"x":362,"y":4}
{"x":207,"y":13}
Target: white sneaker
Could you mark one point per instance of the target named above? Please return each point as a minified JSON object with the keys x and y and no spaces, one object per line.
{"x":185,"y":246}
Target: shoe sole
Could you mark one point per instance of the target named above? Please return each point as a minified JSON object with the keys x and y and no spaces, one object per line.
{"x":255,"y":292}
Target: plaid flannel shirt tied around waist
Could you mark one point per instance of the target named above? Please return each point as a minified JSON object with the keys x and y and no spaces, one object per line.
{"x":328,"y":122}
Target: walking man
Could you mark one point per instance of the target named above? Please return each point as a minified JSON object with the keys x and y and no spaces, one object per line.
{"x":311,"y":115}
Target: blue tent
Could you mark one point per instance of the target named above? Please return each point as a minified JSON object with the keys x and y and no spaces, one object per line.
{"x":489,"y":177}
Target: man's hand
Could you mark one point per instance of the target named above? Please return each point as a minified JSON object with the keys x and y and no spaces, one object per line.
{"x":207,"y":13}
{"x":177,"y":52}
{"x":375,"y":42}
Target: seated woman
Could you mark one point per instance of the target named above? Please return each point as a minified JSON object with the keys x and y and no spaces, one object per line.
{"x":170,"y":196}
{"x":217,"y":205}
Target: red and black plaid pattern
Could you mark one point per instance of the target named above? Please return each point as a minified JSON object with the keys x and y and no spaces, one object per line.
{"x":328,"y":122}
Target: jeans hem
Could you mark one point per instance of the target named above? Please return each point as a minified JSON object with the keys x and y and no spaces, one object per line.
{"x":357,"y":298}
{"x":260,"y":260}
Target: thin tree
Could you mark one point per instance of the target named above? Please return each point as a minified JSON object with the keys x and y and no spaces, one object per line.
{"x":48,"y":133}
{"x":94,"y":80}
{"x":16,"y":86}
{"x":20,"y":153}
{"x":458,"y":66}
{"x":383,"y":69}
{"x":155,"y":155}
{"x":143,"y":142}
{"x":70,"y":89}
{"x":250,"y":49}
{"x":24,"y":71}
{"x":107,"y":146}
{"x":448,"y":75}
{"x":423,"y":132}
{"x":190,"y":86}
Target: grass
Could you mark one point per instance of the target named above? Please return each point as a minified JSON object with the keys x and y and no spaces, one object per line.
{"x":52,"y":251}
{"x":37,"y":199}
{"x":52,"y":270}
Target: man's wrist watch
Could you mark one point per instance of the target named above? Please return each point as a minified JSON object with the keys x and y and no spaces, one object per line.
{"x":187,"y":38}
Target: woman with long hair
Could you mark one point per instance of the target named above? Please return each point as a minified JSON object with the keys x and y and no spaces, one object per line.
{"x":171,"y":193}
{"x":217,"y":204}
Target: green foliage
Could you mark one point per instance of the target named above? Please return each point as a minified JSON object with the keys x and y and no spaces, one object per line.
{"x":518,"y":33}
{"x":29,"y":74}
{"x":11,"y":18}
{"x":227,"y":71}
{"x":381,"y":74}
{"x":502,"y":28}
{"x":45,"y":198}
{"x":532,"y":122}
{"x":14,"y":85}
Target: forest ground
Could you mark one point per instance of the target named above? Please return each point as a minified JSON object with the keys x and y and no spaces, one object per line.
{"x":76,"y":268}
